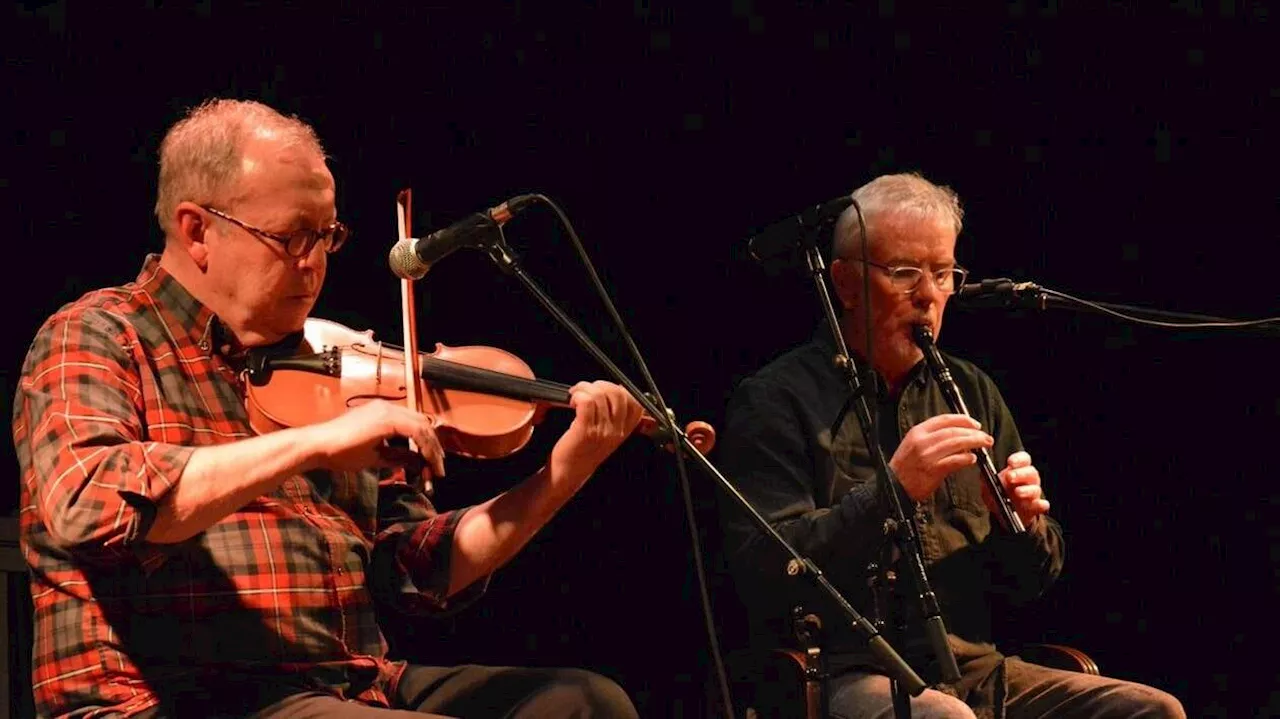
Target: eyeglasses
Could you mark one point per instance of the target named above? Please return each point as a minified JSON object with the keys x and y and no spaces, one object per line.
{"x":907,"y":278}
{"x":299,"y":242}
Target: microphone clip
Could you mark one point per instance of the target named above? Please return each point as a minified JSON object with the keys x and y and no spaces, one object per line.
{"x":1001,"y":292}
{"x":413,"y":257}
{"x":796,"y":234}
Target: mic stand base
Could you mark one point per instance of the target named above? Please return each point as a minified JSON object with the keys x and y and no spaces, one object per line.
{"x":798,"y":565}
{"x":901,"y":702}
{"x":883,"y":585}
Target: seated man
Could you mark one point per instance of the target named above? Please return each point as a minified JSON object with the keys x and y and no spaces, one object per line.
{"x":183,"y":565}
{"x":820,"y":493}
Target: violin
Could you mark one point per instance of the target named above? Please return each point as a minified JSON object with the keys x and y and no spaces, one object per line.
{"x":485,"y":401}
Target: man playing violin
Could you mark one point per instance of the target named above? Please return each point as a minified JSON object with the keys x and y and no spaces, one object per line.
{"x":819,"y":489}
{"x":182,"y":565}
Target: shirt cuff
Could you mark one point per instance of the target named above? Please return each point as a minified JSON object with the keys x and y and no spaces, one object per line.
{"x":162,"y":467}
{"x":424,"y":560}
{"x":862,"y":503}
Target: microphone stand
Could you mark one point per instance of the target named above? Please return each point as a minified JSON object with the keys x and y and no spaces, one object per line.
{"x":898,"y":527}
{"x":797,"y":565}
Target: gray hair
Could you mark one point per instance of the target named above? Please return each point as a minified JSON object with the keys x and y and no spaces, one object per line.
{"x":906,"y":193}
{"x":200,"y":156}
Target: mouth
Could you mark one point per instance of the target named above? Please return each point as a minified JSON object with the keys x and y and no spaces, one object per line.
{"x":911,"y":328}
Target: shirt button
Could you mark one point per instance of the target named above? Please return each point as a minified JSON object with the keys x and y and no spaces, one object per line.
{"x":204,"y":346}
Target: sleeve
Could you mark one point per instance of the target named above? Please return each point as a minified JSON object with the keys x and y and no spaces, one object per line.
{"x":79,"y":427}
{"x":412,"y":552}
{"x":767,"y":456}
{"x":1021,"y":568}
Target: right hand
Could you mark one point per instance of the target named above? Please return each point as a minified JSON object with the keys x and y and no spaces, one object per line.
{"x":934,"y":449}
{"x":357,"y":439}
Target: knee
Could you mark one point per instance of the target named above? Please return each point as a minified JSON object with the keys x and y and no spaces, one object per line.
{"x":1163,"y":705}
{"x":1140,"y":700}
{"x":583,"y":693}
{"x":869,"y":696}
{"x":937,"y":705}
{"x":930,"y":704}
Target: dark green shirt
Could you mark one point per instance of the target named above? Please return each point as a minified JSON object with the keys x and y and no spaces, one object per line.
{"x":820,"y":494}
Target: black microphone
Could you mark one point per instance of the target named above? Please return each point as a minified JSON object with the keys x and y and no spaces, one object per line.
{"x":411,"y":258}
{"x":999,"y":292}
{"x":781,"y":238}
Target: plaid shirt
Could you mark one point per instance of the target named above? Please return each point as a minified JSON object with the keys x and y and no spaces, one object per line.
{"x":117,"y":390}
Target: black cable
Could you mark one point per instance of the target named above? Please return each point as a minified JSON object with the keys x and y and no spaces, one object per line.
{"x":870,"y":383}
{"x":1206,"y":324}
{"x":667,"y":416}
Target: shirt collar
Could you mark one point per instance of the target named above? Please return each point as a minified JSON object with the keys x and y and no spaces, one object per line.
{"x":185,"y":316}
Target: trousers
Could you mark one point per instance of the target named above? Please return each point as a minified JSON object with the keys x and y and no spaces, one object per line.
{"x":1031,"y":691}
{"x":424,"y":691}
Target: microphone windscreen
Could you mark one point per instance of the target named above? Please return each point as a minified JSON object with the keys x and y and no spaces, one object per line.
{"x":405,"y":262}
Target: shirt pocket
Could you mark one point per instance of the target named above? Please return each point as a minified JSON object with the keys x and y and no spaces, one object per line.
{"x":964,"y":507}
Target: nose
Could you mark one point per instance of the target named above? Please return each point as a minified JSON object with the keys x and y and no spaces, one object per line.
{"x":314,"y":260}
{"x":927,"y":292}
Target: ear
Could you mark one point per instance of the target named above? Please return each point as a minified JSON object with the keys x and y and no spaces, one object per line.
{"x":845,"y":281}
{"x":191,"y":225}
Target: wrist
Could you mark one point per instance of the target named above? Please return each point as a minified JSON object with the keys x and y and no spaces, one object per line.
{"x":909,"y":488}
{"x":311,"y":443}
{"x":570,"y":471}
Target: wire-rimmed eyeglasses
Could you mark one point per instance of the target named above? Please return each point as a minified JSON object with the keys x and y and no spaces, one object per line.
{"x":907,"y":278}
{"x":299,"y":242}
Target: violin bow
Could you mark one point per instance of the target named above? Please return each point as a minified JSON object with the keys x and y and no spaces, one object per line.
{"x":413,"y":399}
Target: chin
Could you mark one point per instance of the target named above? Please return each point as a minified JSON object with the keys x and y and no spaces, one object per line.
{"x":283,"y":326}
{"x":908,"y":351}
{"x":292,"y":326}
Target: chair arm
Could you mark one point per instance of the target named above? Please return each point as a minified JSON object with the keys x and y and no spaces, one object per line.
{"x":782,"y":682}
{"x":1059,"y":656}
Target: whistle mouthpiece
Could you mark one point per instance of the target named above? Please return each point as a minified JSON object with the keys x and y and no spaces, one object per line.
{"x":923,"y":334}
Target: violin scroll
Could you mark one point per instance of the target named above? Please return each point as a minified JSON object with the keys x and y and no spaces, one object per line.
{"x":702,"y":435}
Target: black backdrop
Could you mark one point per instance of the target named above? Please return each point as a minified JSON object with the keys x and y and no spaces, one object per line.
{"x":1116,"y":155}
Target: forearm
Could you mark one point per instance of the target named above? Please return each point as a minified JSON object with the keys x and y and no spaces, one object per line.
{"x":490,"y":534}
{"x":220,"y":479}
{"x":847,"y":534}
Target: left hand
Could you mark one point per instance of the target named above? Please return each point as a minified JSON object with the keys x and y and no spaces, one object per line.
{"x":605,"y":415}
{"x":1021,"y":481}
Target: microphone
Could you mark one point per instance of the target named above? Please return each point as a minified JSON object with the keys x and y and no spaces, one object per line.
{"x":999,"y":292}
{"x":411,"y":258}
{"x":782,"y":237}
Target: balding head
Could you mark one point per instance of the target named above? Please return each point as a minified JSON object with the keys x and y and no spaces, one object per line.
{"x":908,"y":195}
{"x":202,"y":155}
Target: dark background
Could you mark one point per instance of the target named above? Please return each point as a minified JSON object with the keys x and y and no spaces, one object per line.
{"x":1113,"y":154}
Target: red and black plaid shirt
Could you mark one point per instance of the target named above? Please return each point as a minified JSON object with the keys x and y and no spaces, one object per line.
{"x":117,"y":390}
